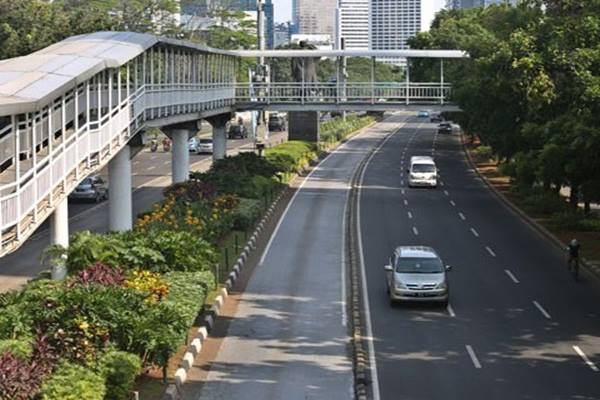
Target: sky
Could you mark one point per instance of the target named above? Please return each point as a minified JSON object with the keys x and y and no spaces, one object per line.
{"x":283,"y":10}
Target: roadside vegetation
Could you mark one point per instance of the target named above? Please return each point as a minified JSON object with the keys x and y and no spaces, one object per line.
{"x":130,"y":298}
{"x":531,"y":100}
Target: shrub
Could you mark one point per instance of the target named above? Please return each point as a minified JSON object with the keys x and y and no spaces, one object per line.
{"x":149,"y":283}
{"x":246,"y":164}
{"x":575,"y":221}
{"x":73,"y":382}
{"x":99,"y":274}
{"x":544,"y":202}
{"x":22,"y":377}
{"x":19,"y":348}
{"x":191,"y":191}
{"x":483,"y":153}
{"x":291,"y":156}
{"x":119,"y":369}
{"x":246,"y":214}
{"x":188,"y":292}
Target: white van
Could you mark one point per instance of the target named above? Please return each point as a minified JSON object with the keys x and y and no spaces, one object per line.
{"x":422,"y":172}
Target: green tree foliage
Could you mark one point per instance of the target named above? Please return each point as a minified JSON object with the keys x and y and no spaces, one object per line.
{"x":531,"y":89}
{"x":30,"y":25}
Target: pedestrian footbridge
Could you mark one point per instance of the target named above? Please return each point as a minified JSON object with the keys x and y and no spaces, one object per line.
{"x":78,"y":105}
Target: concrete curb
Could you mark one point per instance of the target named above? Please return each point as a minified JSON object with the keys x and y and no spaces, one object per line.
{"x":174,"y":390}
{"x":594,"y":270}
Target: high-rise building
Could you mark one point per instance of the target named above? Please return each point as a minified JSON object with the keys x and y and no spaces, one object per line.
{"x":476,"y":3}
{"x":202,"y":10}
{"x":314,"y":17}
{"x":392,"y":23}
{"x":353,"y":24}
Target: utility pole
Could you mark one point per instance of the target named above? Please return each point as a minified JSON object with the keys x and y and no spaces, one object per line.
{"x":261,"y":77}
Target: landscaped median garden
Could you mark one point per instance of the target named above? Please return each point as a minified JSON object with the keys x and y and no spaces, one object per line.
{"x":130,"y":298}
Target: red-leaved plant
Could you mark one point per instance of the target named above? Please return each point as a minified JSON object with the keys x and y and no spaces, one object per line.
{"x":21,"y":379}
{"x":100,"y":274}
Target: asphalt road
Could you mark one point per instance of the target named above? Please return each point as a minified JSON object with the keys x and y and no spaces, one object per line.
{"x":518,"y":326}
{"x":289,"y":338}
{"x":151,"y":174}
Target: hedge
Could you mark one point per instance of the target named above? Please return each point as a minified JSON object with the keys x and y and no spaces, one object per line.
{"x":73,"y":382}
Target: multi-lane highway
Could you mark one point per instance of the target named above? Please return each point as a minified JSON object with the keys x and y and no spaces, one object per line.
{"x":151,"y":174}
{"x":517,"y":327}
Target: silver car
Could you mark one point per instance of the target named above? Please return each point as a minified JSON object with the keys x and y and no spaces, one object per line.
{"x":205,"y":146}
{"x":417,"y":273}
{"x":92,"y":188}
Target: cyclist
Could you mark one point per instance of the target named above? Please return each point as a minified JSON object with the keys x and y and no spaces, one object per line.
{"x":573,"y":249}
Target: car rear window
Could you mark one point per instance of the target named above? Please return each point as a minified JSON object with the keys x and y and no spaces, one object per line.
{"x":414,"y":265}
{"x":421,"y":168}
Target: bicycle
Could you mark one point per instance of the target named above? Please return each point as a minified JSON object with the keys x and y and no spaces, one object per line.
{"x":573,"y":264}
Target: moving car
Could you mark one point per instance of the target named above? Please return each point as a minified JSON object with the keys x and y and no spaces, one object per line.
{"x":417,"y":273}
{"x":276,"y":123}
{"x":91,"y":188}
{"x":205,"y":146}
{"x":237,"y":132}
{"x":422,"y":172}
{"x":423,"y":114}
{"x":436,"y":118}
{"x":445,"y":128}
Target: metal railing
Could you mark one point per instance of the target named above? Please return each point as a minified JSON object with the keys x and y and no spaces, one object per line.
{"x":332,"y":93}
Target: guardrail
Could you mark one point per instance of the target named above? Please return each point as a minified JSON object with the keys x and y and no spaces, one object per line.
{"x":362,"y":92}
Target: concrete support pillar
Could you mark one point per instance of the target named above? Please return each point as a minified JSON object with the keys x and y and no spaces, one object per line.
{"x":303,"y":125}
{"x":120,"y":210}
{"x":180,"y":155}
{"x":219,"y":134}
{"x":59,"y":235}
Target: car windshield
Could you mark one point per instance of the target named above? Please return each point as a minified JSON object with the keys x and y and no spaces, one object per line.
{"x":414,"y":265}
{"x":421,"y":168}
{"x":86,"y":181}
{"x":205,"y":141}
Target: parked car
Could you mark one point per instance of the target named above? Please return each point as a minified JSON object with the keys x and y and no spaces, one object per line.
{"x":193,"y":144}
{"x":423,"y":114}
{"x":92,"y":188}
{"x":417,"y":273}
{"x":422,"y":172}
{"x":436,"y":118}
{"x":205,"y":146}
{"x":237,"y":132}
{"x":276,"y":123}
{"x":445,"y":128}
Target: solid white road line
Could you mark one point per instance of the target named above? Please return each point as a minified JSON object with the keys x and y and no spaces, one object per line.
{"x":585,"y":359}
{"x":405,"y":202}
{"x":473,"y":356}
{"x":409,"y":215}
{"x":462,"y":216}
{"x":541,"y":309}
{"x":451,"y":311}
{"x":489,"y":250}
{"x":452,"y":203}
{"x":511,"y":276}
{"x":474,"y":232}
{"x":415,"y":231}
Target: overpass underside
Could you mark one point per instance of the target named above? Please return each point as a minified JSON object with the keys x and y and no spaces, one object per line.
{"x":350,"y":107}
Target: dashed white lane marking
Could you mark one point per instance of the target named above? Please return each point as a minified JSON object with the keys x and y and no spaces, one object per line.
{"x":511,"y":276}
{"x":151,"y":168}
{"x":401,"y":183}
{"x":441,"y":183}
{"x":462,"y":216}
{"x":446,"y":193}
{"x":405,"y":202}
{"x":489,"y":250}
{"x":585,"y":358}
{"x":415,"y":231}
{"x":167,"y":162}
{"x":409,"y":215}
{"x":451,"y":311}
{"x":403,"y":191}
{"x":153,"y":157}
{"x":541,"y":309}
{"x":452,"y":203}
{"x":473,"y":356}
{"x":474,"y":232}
{"x":136,"y":162}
